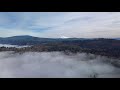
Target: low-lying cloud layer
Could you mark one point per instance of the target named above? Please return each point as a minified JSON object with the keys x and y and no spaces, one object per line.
{"x":16,"y":46}
{"x":55,"y":64}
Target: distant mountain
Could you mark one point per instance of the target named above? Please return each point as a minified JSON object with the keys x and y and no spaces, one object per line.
{"x":73,"y":38}
{"x":30,"y":40}
{"x":64,"y":37}
{"x":21,"y":37}
{"x":25,"y":37}
{"x":24,"y":40}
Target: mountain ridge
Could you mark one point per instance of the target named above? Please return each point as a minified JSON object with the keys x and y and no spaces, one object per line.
{"x":52,"y":38}
{"x":31,"y":40}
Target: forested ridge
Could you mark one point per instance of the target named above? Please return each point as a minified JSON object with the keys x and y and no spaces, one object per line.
{"x":105,"y":47}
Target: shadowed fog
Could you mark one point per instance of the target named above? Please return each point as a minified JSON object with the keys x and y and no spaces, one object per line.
{"x":55,"y":64}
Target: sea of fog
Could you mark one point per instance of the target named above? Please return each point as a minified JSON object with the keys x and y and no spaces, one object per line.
{"x":8,"y":45}
{"x":55,"y":65}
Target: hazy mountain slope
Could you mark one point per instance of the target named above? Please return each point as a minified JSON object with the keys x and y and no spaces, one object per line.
{"x":30,"y":40}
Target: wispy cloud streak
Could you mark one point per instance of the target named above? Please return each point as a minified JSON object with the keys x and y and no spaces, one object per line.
{"x":55,"y":24}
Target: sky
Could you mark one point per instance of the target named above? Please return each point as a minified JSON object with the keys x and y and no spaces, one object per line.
{"x":60,"y":24}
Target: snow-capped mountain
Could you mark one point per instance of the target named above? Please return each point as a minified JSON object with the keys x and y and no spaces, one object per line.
{"x":64,"y":37}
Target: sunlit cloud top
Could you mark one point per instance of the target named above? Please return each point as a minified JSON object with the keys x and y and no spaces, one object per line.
{"x":57,"y":24}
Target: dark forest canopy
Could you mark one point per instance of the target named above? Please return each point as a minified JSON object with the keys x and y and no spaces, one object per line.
{"x":100,"y":46}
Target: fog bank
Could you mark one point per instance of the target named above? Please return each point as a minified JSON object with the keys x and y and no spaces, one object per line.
{"x":16,"y":46}
{"x":55,"y":65}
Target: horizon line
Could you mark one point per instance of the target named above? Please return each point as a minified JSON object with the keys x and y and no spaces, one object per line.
{"x":60,"y":37}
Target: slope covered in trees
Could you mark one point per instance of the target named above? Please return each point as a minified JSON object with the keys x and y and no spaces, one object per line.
{"x":105,"y":47}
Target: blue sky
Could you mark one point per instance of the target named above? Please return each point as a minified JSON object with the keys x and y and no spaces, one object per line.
{"x":57,"y":24}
